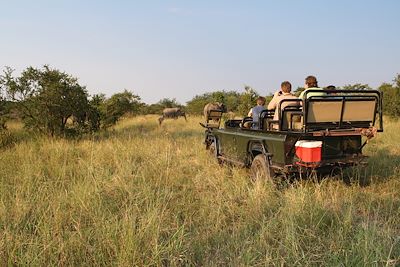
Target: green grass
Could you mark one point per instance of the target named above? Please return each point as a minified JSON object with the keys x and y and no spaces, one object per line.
{"x":148,"y":195}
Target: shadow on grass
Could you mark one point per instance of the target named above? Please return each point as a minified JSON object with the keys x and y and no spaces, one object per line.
{"x":382,"y":163}
{"x":382,"y":166}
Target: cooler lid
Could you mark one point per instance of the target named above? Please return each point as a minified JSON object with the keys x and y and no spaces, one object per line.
{"x":308,"y":143}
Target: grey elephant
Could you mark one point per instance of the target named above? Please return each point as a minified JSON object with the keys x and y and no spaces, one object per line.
{"x":171,"y":113}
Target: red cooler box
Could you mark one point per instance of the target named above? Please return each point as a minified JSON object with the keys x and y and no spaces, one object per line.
{"x":309,"y":150}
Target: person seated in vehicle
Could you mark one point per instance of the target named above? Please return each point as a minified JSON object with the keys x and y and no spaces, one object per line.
{"x":311,"y":83}
{"x":284,"y":93}
{"x":330,"y":87}
{"x":332,"y":90}
{"x":256,"y":111}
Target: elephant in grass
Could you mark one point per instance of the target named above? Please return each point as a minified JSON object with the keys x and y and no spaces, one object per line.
{"x":171,"y":113}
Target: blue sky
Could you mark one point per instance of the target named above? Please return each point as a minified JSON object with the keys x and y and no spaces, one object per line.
{"x":178,"y":49}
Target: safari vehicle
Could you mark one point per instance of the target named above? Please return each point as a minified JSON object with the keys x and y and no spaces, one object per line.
{"x":320,"y":134}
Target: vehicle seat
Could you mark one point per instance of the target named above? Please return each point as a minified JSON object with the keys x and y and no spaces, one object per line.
{"x":247,"y":123}
{"x":354,"y":111}
{"x":290,"y":117}
{"x":213,"y":119}
{"x":359,"y":111}
{"x":266,"y":117}
{"x":324,"y":111}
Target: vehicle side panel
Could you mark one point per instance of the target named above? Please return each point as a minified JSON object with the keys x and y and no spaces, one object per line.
{"x":234,"y":145}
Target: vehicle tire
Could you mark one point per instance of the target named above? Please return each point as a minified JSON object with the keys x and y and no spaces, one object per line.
{"x":260,"y":168}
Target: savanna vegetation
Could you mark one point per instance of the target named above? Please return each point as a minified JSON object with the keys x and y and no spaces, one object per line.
{"x":52,"y":102}
{"x":126,"y":191}
{"x":148,"y":195}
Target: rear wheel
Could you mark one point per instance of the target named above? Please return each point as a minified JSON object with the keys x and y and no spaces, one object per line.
{"x":260,"y":168}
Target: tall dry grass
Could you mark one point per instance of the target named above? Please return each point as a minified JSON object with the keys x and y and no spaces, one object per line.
{"x":148,"y":195}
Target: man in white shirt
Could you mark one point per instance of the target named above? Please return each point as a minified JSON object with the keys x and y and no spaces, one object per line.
{"x":284,"y":93}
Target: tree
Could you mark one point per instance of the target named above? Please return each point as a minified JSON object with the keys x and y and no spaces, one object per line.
{"x":168,"y":103}
{"x":94,"y":115}
{"x":298,"y":91}
{"x":229,"y":98}
{"x":112,"y":109}
{"x":197,"y":103}
{"x":49,"y":100}
{"x":2,"y":108}
{"x":396,"y":81}
{"x":356,"y":86}
{"x":247,"y":100}
{"x":158,"y":107}
{"x":391,"y":97}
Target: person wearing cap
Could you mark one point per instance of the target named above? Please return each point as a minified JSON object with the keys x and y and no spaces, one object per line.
{"x":311,"y":83}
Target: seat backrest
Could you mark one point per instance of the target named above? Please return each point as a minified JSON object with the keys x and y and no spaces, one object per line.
{"x":352,"y":111}
{"x":214,"y":115}
{"x":359,"y":111}
{"x":265,"y":117}
{"x":291,"y":118}
{"x":324,"y":111}
{"x":214,"y":118}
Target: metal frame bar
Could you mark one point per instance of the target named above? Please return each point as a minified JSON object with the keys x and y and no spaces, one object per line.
{"x":280,"y":109}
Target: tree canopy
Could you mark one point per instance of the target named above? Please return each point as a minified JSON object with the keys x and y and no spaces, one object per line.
{"x":51,"y":101}
{"x":391,"y":97}
{"x":47,"y":99}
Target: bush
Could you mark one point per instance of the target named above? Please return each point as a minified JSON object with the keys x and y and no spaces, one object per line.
{"x":391,"y":97}
{"x":6,"y":138}
{"x":106,"y":112}
{"x":49,"y":100}
{"x":53,"y":102}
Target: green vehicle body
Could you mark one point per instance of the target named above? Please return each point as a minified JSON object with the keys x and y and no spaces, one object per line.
{"x":342,"y":140}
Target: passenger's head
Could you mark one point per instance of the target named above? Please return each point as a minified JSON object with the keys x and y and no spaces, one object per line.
{"x":286,"y":87}
{"x":261,"y":101}
{"x":311,"y":81}
{"x":331,"y":88}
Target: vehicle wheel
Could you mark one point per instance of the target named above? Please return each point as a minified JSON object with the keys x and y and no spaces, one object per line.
{"x":260,"y":169}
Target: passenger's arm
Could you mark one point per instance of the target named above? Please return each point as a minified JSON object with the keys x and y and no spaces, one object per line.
{"x":272,"y":103}
{"x":301,"y":96}
{"x":250,"y":114}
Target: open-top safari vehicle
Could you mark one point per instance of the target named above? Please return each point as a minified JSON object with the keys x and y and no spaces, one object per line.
{"x":319,"y":135}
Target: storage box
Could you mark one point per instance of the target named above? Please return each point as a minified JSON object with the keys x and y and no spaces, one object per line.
{"x":309,"y":150}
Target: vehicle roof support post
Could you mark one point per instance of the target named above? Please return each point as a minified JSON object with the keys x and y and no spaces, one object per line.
{"x":342,"y":111}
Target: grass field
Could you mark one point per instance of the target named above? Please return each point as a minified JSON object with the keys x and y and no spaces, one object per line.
{"x":148,"y":195}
